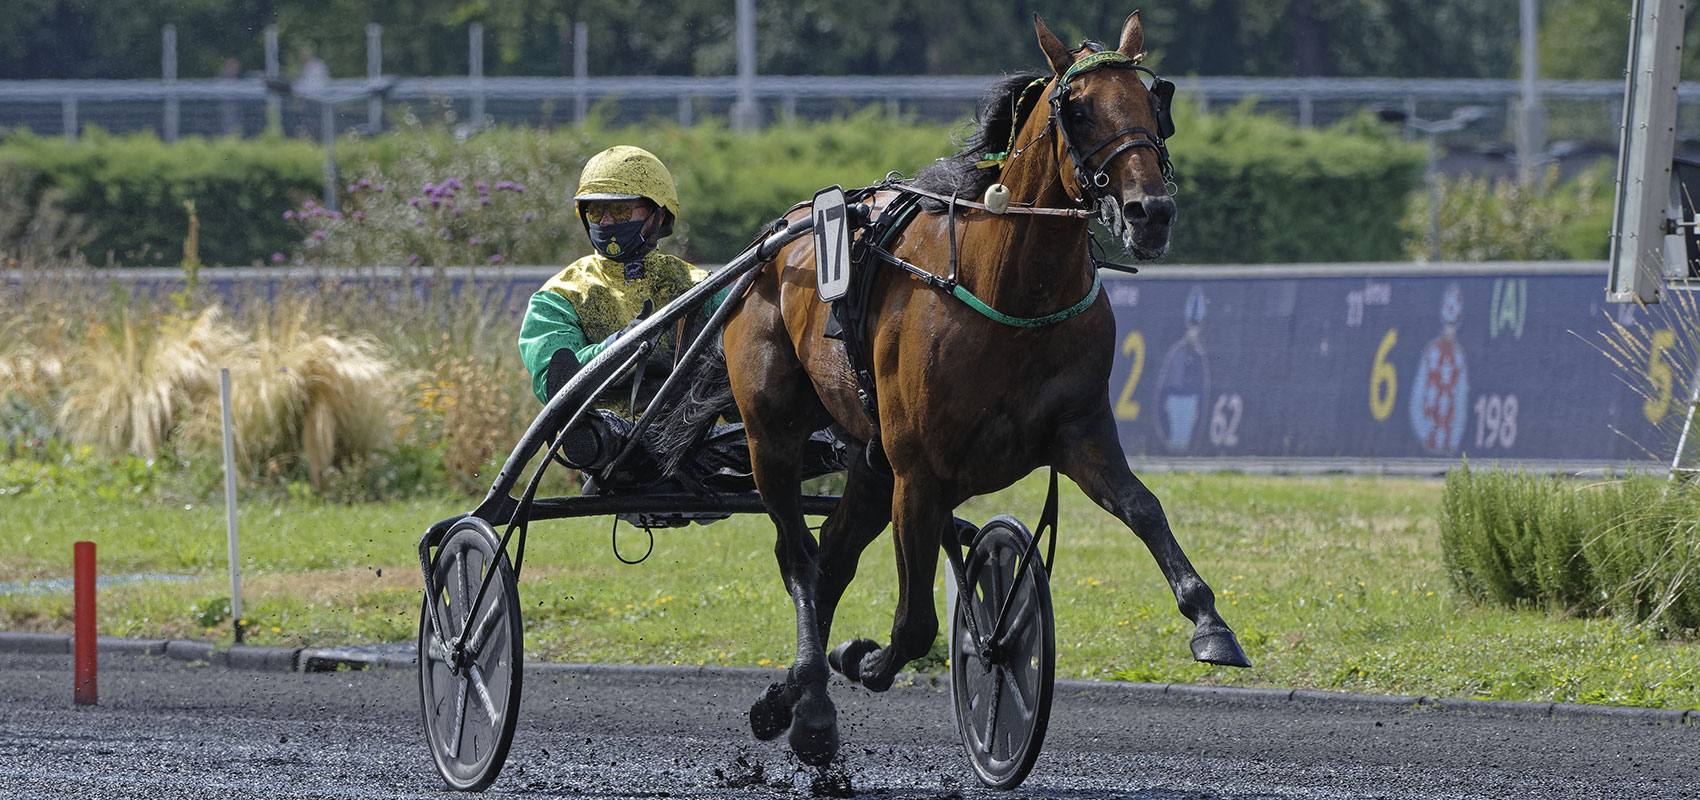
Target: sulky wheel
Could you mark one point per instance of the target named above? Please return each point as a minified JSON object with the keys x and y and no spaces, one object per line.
{"x":469,"y":680}
{"x":1001,"y":689}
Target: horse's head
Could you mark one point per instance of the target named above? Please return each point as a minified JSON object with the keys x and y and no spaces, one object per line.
{"x":1114,"y":128}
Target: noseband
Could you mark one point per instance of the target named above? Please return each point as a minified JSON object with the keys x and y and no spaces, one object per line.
{"x":1094,"y":182}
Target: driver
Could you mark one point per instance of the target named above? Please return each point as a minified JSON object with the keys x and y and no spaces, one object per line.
{"x":628,"y":202}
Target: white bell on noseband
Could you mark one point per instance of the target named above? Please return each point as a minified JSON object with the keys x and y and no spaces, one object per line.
{"x":997,"y":198}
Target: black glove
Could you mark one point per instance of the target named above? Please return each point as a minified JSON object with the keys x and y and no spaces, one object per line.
{"x":643,"y":314}
{"x":562,"y":366}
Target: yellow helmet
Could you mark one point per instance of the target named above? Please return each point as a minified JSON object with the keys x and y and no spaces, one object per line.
{"x":630,"y":173}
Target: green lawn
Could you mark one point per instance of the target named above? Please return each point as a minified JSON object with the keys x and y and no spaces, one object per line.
{"x":1332,"y":583}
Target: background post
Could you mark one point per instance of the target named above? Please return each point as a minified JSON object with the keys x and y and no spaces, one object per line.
{"x":230,"y":503}
{"x":84,"y":690}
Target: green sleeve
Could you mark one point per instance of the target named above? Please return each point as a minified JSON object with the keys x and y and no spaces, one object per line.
{"x":550,"y":324}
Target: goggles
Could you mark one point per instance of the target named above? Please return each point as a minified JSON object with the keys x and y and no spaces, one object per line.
{"x":617,"y":210}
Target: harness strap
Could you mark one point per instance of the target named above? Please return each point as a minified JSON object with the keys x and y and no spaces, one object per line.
{"x":961,"y":293}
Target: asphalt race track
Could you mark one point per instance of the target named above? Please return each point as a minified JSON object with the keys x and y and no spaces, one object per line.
{"x":168,"y":728}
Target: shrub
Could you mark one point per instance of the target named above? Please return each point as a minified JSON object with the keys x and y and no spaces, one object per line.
{"x":1627,"y":547}
{"x":1502,"y":220}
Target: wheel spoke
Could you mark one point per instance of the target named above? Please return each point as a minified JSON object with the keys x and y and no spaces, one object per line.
{"x":481,"y":631}
{"x":476,"y":678}
{"x":458,"y":730}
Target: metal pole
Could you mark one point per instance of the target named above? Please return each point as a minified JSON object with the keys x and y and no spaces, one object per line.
{"x":274,"y":103}
{"x":1641,"y":216}
{"x":581,"y":72}
{"x":230,"y":504}
{"x":68,"y":117}
{"x":745,"y":115}
{"x":374,"y":72}
{"x":1531,"y":114}
{"x":1433,"y":177}
{"x":327,"y":132}
{"x":476,"y":44}
{"x":168,"y":67}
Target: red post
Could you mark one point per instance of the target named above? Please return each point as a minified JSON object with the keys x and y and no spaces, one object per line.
{"x":84,"y":639}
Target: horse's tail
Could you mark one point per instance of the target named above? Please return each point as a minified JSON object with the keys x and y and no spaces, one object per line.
{"x":708,"y":397}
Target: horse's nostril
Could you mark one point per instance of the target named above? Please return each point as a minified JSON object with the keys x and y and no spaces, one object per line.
{"x":1150,"y":210}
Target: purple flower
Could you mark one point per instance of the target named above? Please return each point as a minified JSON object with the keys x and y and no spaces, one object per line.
{"x":413,"y":201}
{"x":453,"y":184}
{"x":527,"y":217}
{"x":289,"y":215}
{"x":473,"y":240}
{"x":430,"y":188}
{"x":484,"y":201}
{"x":353,"y":188}
{"x":457,"y":212}
{"x":359,"y":215}
{"x":320,"y":235}
{"x":308,"y":204}
{"x":496,"y":259}
{"x":419,"y":222}
{"x":413,"y":259}
{"x":277,"y":258}
{"x":482,"y":187}
{"x":500,"y":185}
{"x":335,"y":214}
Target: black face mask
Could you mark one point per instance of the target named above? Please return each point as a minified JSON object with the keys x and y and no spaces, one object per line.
{"x":622,"y":241}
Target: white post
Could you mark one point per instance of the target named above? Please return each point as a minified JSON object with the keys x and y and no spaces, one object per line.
{"x":374,"y":72}
{"x":1641,"y":215}
{"x":168,"y":70}
{"x":230,"y":503}
{"x":476,"y":45}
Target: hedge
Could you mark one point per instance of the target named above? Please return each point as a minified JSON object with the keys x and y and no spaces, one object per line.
{"x":1250,"y":188}
{"x":131,"y":189}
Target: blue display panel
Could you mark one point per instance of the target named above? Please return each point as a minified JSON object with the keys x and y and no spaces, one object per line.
{"x":1381,"y":363}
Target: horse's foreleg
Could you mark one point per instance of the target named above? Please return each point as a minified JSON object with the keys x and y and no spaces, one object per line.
{"x":1093,"y":459}
{"x":801,"y":703}
{"x":919,"y":521}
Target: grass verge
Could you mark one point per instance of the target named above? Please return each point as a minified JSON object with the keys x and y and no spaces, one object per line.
{"x":1333,"y":583}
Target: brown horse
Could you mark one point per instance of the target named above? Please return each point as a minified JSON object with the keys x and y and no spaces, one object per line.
{"x":966,"y":404}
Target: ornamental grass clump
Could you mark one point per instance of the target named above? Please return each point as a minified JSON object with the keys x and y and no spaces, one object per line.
{"x":302,"y":398}
{"x":135,"y":378}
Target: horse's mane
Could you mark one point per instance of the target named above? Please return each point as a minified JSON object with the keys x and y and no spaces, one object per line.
{"x":997,"y":116}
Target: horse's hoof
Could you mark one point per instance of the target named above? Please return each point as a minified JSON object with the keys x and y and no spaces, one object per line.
{"x":770,"y":715}
{"x":814,"y":735}
{"x":846,"y":659}
{"x":1219,"y":647}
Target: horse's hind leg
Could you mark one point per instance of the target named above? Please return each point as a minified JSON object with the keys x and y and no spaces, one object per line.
{"x":1093,"y":458}
{"x":920,"y":522}
{"x":862,"y":514}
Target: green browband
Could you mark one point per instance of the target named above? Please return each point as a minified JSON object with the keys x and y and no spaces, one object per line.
{"x":1030,"y":322}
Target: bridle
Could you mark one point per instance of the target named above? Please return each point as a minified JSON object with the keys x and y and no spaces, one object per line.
{"x":1094,"y":182}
